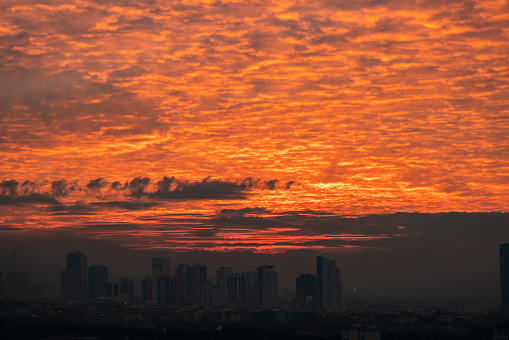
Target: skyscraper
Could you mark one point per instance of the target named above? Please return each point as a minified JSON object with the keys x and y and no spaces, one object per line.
{"x":328,"y":278}
{"x":504,"y":278}
{"x":146,"y":290}
{"x":97,"y":277}
{"x":305,"y":285}
{"x":160,"y":266}
{"x":267,"y":286}
{"x":73,"y":278}
{"x":190,"y":284}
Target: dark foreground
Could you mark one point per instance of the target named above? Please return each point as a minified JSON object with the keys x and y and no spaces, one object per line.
{"x":91,"y":322}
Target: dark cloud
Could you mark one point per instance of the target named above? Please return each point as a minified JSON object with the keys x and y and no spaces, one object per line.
{"x":9,"y":188}
{"x":271,"y":185}
{"x":131,"y":71}
{"x":34,"y":198}
{"x":62,"y":188}
{"x":138,"y":185}
{"x":111,"y":226}
{"x":164,"y":186}
{"x":118,"y":186}
{"x":69,"y":208}
{"x":97,"y":184}
{"x":243,"y":211}
{"x":205,"y":189}
{"x":29,"y":187}
{"x":133,"y":206}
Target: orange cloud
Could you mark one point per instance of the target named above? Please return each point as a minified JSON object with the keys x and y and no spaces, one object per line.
{"x":370,"y":107}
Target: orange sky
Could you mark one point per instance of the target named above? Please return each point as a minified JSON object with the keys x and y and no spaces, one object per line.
{"x":354,"y":107}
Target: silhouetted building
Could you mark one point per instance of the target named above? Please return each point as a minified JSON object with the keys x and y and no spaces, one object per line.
{"x":121,"y":290}
{"x":328,"y":278}
{"x":97,"y":277}
{"x":73,"y":278}
{"x":146,"y":290}
{"x":221,"y":274}
{"x":267,"y":286}
{"x":182,"y":274}
{"x":166,"y":290}
{"x":214,"y":294}
{"x":305,"y":290}
{"x":198,"y":284}
{"x":235,"y":289}
{"x":504,"y":278}
{"x":191,"y":285}
{"x":160,"y":266}
{"x":305,"y":285}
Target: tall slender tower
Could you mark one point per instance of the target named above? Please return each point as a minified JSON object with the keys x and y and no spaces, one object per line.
{"x":97,"y":278}
{"x":73,"y":278}
{"x":328,"y":278}
{"x":161,"y":266}
{"x":504,"y":278}
{"x":267,"y":287}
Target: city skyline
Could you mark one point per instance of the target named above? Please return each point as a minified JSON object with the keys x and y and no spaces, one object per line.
{"x":243,"y":134}
{"x":185,"y":285}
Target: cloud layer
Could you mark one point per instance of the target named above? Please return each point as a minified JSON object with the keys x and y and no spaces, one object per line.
{"x":355,"y":107}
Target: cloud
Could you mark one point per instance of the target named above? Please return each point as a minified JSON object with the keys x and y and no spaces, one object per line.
{"x":97,"y":184}
{"x":244,"y":211}
{"x":62,"y":188}
{"x":380,"y":99}
{"x":9,"y":188}
{"x":127,"y":205}
{"x":129,"y":72}
{"x":29,"y":187}
{"x":271,"y":185}
{"x":34,"y":198}
{"x":206,"y":189}
{"x":138,"y":186}
{"x":116,"y":185}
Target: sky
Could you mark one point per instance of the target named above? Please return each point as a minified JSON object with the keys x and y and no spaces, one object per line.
{"x":256,"y":126}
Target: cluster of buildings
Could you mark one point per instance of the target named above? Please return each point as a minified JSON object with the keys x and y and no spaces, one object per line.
{"x":189,"y":286}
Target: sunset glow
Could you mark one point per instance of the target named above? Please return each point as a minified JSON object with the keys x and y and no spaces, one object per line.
{"x":249,"y":125}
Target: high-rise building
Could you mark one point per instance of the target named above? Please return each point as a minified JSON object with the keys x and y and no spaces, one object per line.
{"x":198,"y":285}
{"x":160,"y":266}
{"x":121,"y":290}
{"x":181,"y":280}
{"x":166,"y":290}
{"x":305,"y":291}
{"x":191,"y":285}
{"x":97,"y":277}
{"x":267,"y":286}
{"x":305,"y":285}
{"x":146,"y":290}
{"x":250,"y":293}
{"x":73,"y":278}
{"x":328,"y":278}
{"x":222,"y":273}
{"x":504,"y":278}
